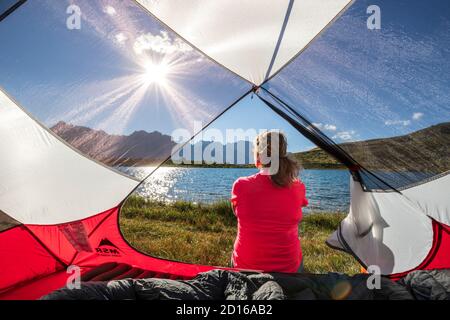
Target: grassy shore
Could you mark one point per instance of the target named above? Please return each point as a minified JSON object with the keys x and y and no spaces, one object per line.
{"x":204,"y":234}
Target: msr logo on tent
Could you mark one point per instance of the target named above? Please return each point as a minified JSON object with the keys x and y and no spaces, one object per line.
{"x":107,"y":248}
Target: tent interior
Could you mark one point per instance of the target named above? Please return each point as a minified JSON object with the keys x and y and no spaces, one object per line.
{"x":84,"y":106}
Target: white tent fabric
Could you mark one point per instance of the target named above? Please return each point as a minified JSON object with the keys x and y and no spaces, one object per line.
{"x":385,"y":229}
{"x":252,"y":39}
{"x":432,"y":198}
{"x":44,"y":181}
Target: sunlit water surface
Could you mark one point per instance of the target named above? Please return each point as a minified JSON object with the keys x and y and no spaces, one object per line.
{"x":327,"y":190}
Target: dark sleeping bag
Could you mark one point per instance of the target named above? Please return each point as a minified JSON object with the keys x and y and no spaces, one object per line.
{"x":226,"y":285}
{"x":428,"y":285}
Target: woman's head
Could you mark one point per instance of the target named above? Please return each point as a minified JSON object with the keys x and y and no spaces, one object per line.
{"x":270,"y":151}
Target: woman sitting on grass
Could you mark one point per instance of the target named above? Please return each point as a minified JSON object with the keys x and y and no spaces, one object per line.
{"x":268,"y":206}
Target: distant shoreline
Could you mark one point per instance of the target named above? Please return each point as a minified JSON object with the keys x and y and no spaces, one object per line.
{"x":220,"y":166}
{"x":316,"y":166}
{"x":313,"y":159}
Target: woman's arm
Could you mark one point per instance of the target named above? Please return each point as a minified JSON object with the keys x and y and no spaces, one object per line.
{"x":303,"y":200}
{"x":235,"y":194}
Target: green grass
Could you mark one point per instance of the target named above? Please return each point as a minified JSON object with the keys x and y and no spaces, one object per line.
{"x":205,"y":233}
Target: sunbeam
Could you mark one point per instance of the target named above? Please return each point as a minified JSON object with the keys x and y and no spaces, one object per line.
{"x":107,"y":94}
{"x":157,"y":76}
{"x":121,"y":116}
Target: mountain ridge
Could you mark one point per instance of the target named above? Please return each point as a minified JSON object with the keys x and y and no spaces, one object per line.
{"x":148,"y":148}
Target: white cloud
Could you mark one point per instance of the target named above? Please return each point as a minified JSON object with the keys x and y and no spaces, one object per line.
{"x":120,"y":37}
{"x":327,"y":127}
{"x":397,"y":122}
{"x":110,"y":10}
{"x":161,"y":43}
{"x":417,"y":115}
{"x":345,"y":135}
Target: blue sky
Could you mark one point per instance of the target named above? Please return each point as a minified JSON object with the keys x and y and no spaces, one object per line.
{"x":359,"y":84}
{"x":354,"y":83}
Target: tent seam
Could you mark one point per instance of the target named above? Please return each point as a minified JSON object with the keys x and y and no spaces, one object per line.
{"x":35,"y":237}
{"x":280,"y":39}
{"x":348,"y":159}
{"x":294,"y":57}
{"x":91,"y":233}
{"x":12,"y":9}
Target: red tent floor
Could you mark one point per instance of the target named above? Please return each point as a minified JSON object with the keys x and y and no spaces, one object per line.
{"x":35,"y":257}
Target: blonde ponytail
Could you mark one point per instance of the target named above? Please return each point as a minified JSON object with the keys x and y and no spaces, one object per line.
{"x":288,"y":169}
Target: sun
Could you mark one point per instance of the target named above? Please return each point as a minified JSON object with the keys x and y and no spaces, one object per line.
{"x":155,"y":73}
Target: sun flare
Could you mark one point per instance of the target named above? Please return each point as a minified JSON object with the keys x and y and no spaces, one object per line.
{"x":156,"y":73}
